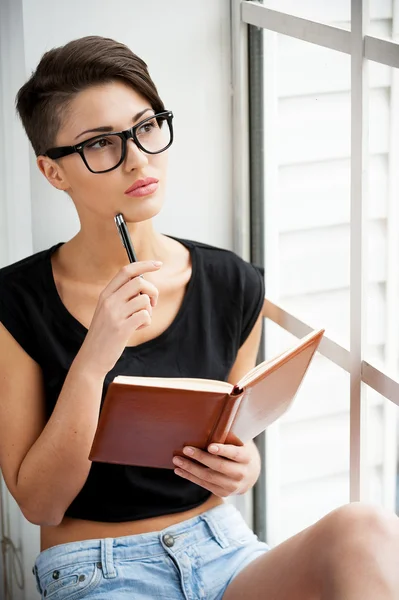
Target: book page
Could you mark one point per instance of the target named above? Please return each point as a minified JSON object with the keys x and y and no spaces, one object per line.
{"x":312,"y":338}
{"x":177,"y":383}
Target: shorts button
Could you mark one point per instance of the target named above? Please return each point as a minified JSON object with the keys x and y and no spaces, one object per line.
{"x":82,"y":577}
{"x":56,"y":575}
{"x":168,"y":540}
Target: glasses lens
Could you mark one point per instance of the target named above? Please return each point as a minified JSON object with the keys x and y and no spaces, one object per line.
{"x":103,"y":153}
{"x":154,"y":135}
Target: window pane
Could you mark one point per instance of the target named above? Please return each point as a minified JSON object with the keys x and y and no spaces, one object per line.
{"x":323,"y":11}
{"x":338,"y":13}
{"x":382,"y":234}
{"x":307,"y":181}
{"x":382,"y":467}
{"x":384,"y":20}
{"x":307,"y":464}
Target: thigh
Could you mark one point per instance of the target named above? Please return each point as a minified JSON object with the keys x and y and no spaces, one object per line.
{"x":343,"y":546}
{"x":285,"y":572}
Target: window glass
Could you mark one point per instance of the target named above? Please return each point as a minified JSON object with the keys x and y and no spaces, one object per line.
{"x":307,"y":181}
{"x":307,"y":459}
{"x":382,"y":466}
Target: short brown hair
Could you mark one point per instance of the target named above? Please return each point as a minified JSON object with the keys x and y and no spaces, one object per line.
{"x":65,"y":71}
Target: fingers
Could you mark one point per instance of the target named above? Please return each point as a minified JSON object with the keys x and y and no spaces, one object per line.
{"x":239,"y":454}
{"x":218,"y":490}
{"x":129,"y":272}
{"x":141,"y":302}
{"x":129,"y":299}
{"x":140,"y":319}
{"x":217,"y":474}
{"x":137,"y":286}
{"x":214,"y":465}
{"x":223,"y":474}
{"x":227,"y":459}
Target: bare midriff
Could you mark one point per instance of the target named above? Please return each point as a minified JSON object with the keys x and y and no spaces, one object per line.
{"x":75,"y":530}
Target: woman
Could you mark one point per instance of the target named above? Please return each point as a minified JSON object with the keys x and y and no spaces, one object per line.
{"x":76,"y":315}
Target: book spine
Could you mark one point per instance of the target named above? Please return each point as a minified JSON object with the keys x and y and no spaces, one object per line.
{"x":226,"y":418}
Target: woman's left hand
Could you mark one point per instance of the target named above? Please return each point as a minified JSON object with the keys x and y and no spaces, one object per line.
{"x":224,"y":470}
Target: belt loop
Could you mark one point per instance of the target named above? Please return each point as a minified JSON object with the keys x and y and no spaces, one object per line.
{"x":215,"y":530}
{"x":36,"y":574}
{"x":107,"y":558}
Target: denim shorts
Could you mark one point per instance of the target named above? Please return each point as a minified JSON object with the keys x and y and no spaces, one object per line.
{"x":195,"y":559}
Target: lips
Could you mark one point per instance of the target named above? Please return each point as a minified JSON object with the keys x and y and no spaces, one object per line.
{"x":140,"y":183}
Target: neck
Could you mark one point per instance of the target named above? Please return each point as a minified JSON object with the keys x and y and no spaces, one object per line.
{"x":103,"y":250}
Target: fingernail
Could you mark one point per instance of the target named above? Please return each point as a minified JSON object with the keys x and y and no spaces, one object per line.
{"x":188,"y":451}
{"x":157,"y":263}
{"x":213,"y":448}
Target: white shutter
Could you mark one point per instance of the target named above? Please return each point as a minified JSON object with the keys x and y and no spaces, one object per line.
{"x":307,"y":138}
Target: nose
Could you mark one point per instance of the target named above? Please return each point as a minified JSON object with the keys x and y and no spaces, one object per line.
{"x":135,"y":158}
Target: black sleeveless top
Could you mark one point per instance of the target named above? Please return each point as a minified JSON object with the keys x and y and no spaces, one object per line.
{"x":223,"y":299}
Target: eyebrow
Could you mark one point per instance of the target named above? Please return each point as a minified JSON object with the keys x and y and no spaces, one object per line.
{"x":109,"y":128}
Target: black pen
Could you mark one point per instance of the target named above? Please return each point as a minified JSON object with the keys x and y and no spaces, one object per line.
{"x":125,"y":237}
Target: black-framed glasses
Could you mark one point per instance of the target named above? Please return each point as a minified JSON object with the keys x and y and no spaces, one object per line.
{"x":107,"y":151}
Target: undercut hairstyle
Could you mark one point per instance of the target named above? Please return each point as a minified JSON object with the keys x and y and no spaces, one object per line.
{"x":43,"y":101}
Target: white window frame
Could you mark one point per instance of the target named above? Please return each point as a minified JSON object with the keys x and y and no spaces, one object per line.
{"x":362,"y":48}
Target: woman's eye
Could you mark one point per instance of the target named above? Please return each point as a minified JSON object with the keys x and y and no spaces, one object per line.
{"x":147,"y":127}
{"x":102,"y":143}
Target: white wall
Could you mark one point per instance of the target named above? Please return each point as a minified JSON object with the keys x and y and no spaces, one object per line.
{"x":187,"y":48}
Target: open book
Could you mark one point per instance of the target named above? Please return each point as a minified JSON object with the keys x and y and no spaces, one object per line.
{"x":145,"y":421}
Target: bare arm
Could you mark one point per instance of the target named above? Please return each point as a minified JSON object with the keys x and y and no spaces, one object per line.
{"x":245,"y":361}
{"x":246,"y":356}
{"x":45,"y":465}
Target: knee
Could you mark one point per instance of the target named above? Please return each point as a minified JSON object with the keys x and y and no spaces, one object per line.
{"x":359,"y":532}
{"x":364,"y":517}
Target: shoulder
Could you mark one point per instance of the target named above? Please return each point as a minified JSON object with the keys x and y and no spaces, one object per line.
{"x":208,"y":251}
{"x":25,"y":272}
{"x":220,"y":258}
{"x":22,"y":267}
{"x":232,"y":286}
{"x":24,"y":281}
{"x":22,"y":299}
{"x":220,"y":262}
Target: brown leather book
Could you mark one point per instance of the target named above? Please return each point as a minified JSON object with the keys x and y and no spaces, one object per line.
{"x":145,"y":421}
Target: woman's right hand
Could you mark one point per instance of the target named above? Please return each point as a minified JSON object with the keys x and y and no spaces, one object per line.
{"x":124,"y":306}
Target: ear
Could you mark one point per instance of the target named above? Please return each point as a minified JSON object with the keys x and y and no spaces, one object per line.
{"x":53,"y":172}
